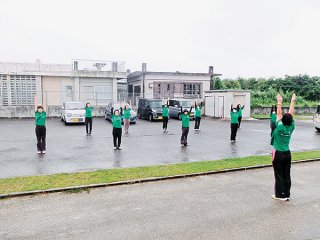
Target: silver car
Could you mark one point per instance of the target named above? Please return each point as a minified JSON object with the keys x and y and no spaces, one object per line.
{"x":73,"y":112}
{"x":175,"y":107}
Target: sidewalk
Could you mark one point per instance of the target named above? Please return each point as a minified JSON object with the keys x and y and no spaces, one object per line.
{"x":226,"y":206}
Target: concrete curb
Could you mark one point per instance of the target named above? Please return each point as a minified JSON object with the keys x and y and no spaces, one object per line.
{"x":144,"y":180}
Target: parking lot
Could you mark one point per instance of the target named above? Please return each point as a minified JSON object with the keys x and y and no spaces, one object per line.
{"x":70,"y":150}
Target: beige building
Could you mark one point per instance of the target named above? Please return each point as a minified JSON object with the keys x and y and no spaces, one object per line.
{"x":82,"y":80}
{"x":162,"y":85}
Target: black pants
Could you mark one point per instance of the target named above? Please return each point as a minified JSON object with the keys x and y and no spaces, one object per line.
{"x":239,"y":120}
{"x":197,"y":123}
{"x":234,"y":129}
{"x":281,"y":165}
{"x":273,"y":127}
{"x":165,"y":122}
{"x":41,"y":138}
{"x":88,"y":122}
{"x":184,"y":136}
{"x":117,"y":132}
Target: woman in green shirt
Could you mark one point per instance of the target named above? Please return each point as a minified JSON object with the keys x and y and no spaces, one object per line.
{"x":126,"y":118}
{"x":88,"y":119}
{"x":273,"y":118}
{"x":234,"y":123}
{"x":197,"y":116}
{"x":185,"y":117}
{"x":116,"y":118}
{"x":239,"y":109}
{"x":40,"y":120}
{"x":165,"y":116}
{"x":281,"y":156}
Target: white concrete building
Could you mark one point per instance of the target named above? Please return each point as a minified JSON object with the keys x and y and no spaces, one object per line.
{"x":160,"y":85}
{"x":82,"y":80}
{"x":218,"y":102}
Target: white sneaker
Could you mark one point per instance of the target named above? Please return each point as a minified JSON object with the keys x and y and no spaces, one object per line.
{"x":119,"y":148}
{"x":115,"y":148}
{"x":280,"y":199}
{"x":43,"y":152}
{"x":39,"y":152}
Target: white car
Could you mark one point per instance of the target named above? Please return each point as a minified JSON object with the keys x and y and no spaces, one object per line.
{"x":73,"y":112}
{"x":316,"y":119}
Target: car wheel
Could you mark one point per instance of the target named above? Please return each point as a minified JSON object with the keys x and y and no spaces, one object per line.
{"x":318,"y":129}
{"x":150,"y":118}
{"x":65,"y":123}
{"x":105,"y":116}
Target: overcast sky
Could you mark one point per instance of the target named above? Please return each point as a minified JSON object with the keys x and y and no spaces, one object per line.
{"x":247,"y":38}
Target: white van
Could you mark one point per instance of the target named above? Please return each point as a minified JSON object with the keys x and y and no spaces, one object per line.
{"x":73,"y":112}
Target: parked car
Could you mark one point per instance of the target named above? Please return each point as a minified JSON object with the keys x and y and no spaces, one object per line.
{"x":316,"y":119}
{"x":73,"y":112}
{"x":175,"y":108}
{"x":150,"y":109}
{"x":117,"y":105}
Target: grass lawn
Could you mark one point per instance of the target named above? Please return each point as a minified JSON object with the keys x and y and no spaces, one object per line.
{"x":296,"y":116}
{"x":43,"y":182}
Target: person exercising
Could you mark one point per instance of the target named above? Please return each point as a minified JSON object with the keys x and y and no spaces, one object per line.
{"x":185,"y":117}
{"x":281,"y":155}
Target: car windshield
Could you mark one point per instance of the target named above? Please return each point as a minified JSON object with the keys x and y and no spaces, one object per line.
{"x":75,"y":106}
{"x":186,"y":104}
{"x":155,"y":104}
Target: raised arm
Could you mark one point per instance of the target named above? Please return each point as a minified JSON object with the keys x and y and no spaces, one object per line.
{"x":200,"y":105}
{"x":121,"y":111}
{"x":231,"y":107}
{"x":35,"y":103}
{"x":279,"y":109}
{"x":293,"y":101}
{"x":112,"y":111}
{"x":44,"y":104}
{"x":190,"y":110}
{"x":242,"y":107}
{"x":181,"y":110}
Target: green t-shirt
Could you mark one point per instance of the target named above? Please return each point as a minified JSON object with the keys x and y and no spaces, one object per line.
{"x":185,"y":120}
{"x":116,"y":121}
{"x":127,"y":113}
{"x":273,"y":117}
{"x":165,"y":111}
{"x":40,"y":118}
{"x":240,"y":112}
{"x":198,"y":111}
{"x":282,"y":135}
{"x":234,"y":117}
{"x":88,"y":112}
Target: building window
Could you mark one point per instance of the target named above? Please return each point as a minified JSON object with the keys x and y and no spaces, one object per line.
{"x":3,"y":90}
{"x":192,"y":89}
{"x":69,"y":91}
{"x":23,"y":89}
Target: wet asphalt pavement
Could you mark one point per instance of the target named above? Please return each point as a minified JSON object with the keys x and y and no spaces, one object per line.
{"x":234,"y":205}
{"x":70,"y":150}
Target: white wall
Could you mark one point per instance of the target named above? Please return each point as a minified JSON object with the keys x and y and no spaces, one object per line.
{"x":212,"y":103}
